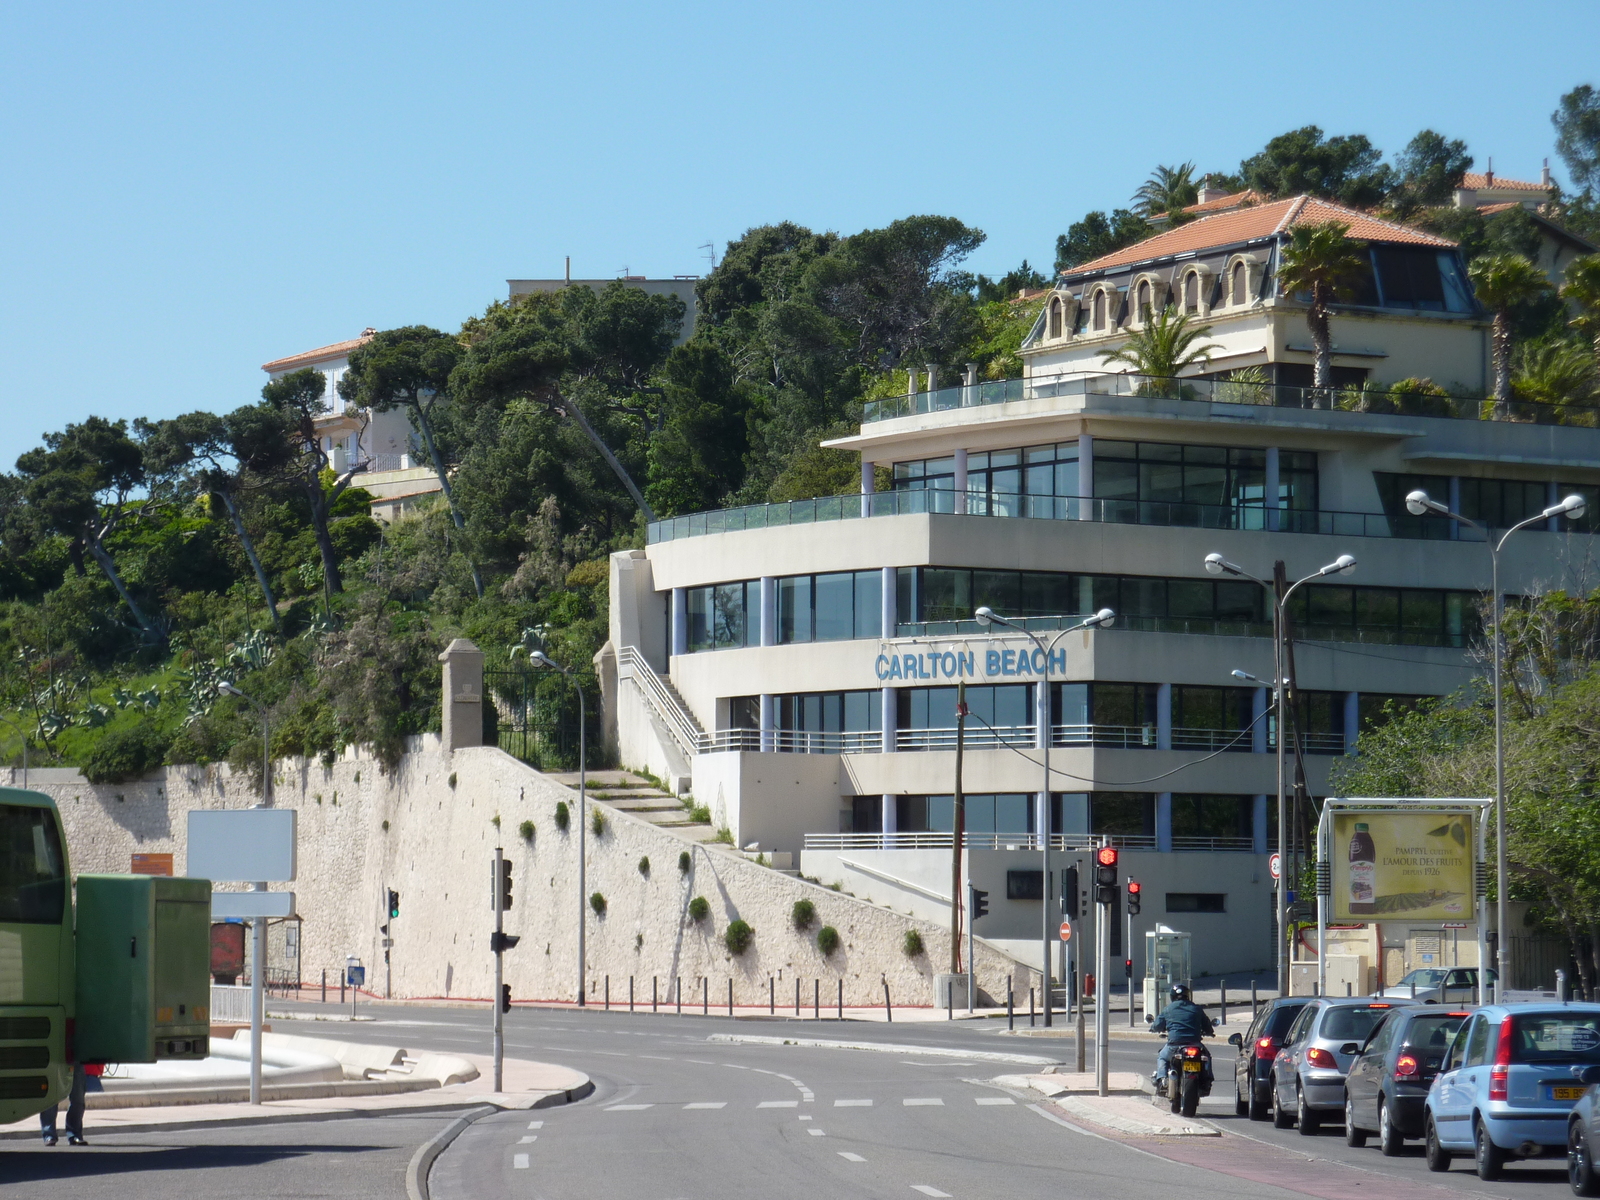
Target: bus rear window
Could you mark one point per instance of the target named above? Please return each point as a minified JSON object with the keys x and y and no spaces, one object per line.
{"x":33,"y":875}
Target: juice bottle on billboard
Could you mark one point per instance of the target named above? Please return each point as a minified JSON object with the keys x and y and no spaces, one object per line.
{"x":1363,"y":871}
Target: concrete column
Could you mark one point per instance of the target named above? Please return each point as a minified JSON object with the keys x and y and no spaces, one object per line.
{"x":911,"y":381}
{"x":463,"y":695}
{"x":888,"y":717}
{"x":1258,"y":716}
{"x":1454,"y":501}
{"x":1085,"y":477}
{"x":1163,"y":716}
{"x":868,"y":484}
{"x":1258,"y":824}
{"x":1352,"y":720}
{"x":769,"y":722}
{"x":1164,"y":821}
{"x":769,"y":610}
{"x":889,"y":616}
{"x":1041,"y":710}
{"x":1041,"y":812}
{"x":890,"y":819}
{"x":961,"y":481}
{"x":680,"y":620}
{"x":1270,"y":488}
{"x":932,"y":370}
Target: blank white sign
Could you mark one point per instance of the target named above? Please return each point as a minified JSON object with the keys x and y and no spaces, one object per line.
{"x":254,"y":904}
{"x":242,"y":845}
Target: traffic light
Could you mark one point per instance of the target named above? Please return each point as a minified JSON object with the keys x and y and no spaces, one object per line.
{"x":1127,"y":967}
{"x":505,"y":885}
{"x":979,"y":906}
{"x":394,"y":904}
{"x":1105,"y":875}
{"x":1135,"y":895}
{"x":1071,"y":908}
{"x":505,"y":997}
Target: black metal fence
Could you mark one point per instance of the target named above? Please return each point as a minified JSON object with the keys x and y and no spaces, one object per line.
{"x":532,"y":728}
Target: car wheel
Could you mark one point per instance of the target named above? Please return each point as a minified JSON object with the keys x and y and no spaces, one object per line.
{"x":1438,"y":1157}
{"x":1389,"y":1140}
{"x":1281,"y":1118}
{"x":1352,"y":1135}
{"x":1259,"y":1110}
{"x":1580,"y":1167}
{"x":1490,"y":1159}
{"x":1307,"y":1120}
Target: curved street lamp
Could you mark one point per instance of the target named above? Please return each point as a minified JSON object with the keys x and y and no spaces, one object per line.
{"x":1419,"y":504}
{"x":1345,"y":564}
{"x":540,"y":658}
{"x":1103,"y":619}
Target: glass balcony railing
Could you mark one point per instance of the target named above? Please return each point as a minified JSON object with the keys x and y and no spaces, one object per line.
{"x":1304,"y":632}
{"x":1393,"y":401}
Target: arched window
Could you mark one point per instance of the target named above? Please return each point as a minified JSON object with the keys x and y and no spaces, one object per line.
{"x":1191,"y":292}
{"x":1143,"y":308}
{"x":1055,"y":317}
{"x":1100,"y":310}
{"x":1239,"y":283}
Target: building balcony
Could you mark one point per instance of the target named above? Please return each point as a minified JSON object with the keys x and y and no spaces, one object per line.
{"x":998,"y":737}
{"x":1015,"y":841}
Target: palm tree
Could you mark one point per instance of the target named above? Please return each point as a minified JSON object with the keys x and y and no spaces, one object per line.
{"x":1504,"y":281}
{"x":1582,"y":288}
{"x":1168,"y":190}
{"x":1163,"y":348}
{"x":1324,"y":261}
{"x":1557,"y":373}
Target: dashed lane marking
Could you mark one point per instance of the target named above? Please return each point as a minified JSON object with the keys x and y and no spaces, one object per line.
{"x":916,"y":1101}
{"x":848,"y":1157}
{"x":852,"y":1103}
{"x":520,"y":1162}
{"x":526,"y":1138}
{"x":815,"y":1132}
{"x":995,"y":1100}
{"x":628,"y":1107}
{"x":929,"y":1191}
{"x":708,"y":1104}
{"x":779,"y":1104}
{"x":535,"y":1124}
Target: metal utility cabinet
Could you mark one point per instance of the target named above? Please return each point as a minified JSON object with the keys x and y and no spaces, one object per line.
{"x":1166,"y":962}
{"x":143,"y":968}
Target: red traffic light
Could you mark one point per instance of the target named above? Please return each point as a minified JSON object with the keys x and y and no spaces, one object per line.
{"x":1133,"y":887}
{"x":1106,"y":856}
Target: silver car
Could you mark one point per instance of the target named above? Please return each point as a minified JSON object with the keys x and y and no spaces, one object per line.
{"x":1439,"y":985}
{"x":1309,"y":1071}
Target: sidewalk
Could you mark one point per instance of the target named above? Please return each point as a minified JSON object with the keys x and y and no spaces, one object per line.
{"x":526,"y":1085}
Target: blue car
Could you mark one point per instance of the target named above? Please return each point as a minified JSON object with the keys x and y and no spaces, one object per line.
{"x":1508,"y":1084}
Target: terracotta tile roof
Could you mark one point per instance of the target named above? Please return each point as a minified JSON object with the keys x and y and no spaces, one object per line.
{"x":1477,"y":179}
{"x":1256,"y":223}
{"x":307,"y":357}
{"x":1491,"y":209}
{"x":1231,"y":200}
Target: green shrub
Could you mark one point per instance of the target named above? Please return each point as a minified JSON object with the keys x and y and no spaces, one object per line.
{"x":738,"y":937}
{"x":699,"y":908}
{"x":597,"y":823}
{"x":644,"y":865}
{"x":563,"y":815}
{"x":598,"y":903}
{"x":683,"y":863}
{"x":121,"y":755}
{"x":913,"y":944}
{"x":452,"y":779}
{"x":700,"y":814}
{"x":803,"y":914}
{"x":526,"y":830}
{"x":827,"y":940}
{"x":724,"y":836}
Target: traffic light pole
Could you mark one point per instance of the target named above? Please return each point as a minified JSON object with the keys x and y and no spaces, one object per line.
{"x":972,"y":973}
{"x":1127,"y":948}
{"x":1102,"y":1030}
{"x":498,"y":888}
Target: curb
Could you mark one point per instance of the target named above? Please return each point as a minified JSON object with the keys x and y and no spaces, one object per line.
{"x":1027,"y":1060}
{"x":1086,"y":1111}
{"x":422,"y":1161}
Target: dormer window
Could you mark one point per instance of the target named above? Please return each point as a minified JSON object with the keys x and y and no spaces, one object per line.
{"x":1142,"y":310}
{"x":1055,"y":317}
{"x":1099,"y":311}
{"x":1240,"y":285}
{"x":1191,"y":292}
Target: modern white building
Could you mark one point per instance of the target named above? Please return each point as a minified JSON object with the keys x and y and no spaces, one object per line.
{"x":795,"y":665}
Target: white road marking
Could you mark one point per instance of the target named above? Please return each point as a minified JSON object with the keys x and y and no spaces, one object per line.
{"x":701,"y":1061}
{"x":805,"y":1118}
{"x":779,"y":1104}
{"x":535,"y":1124}
{"x":815,"y":1132}
{"x":852,"y":1103}
{"x":526,"y":1138}
{"x":929,"y":1191}
{"x":914,"y":1101}
{"x":627,"y":1107}
{"x":848,"y":1157}
{"x":520,"y":1162}
{"x":709,"y":1104}
{"x":995,"y":1100}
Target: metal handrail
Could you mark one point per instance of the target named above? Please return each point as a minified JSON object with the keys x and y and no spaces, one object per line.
{"x":679,"y":720}
{"x":935,"y":840}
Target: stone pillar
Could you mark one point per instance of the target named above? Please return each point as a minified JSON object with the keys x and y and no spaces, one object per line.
{"x":1258,"y":824}
{"x":680,"y":620}
{"x":1085,"y":477}
{"x":889,"y":610}
{"x":1259,"y":699}
{"x":1352,"y":720}
{"x":1164,"y":821}
{"x":961,"y":481}
{"x":932,"y":370}
{"x":769,"y":704}
{"x":889,"y":814}
{"x":1163,"y":716}
{"x":463,"y":695}
{"x":1270,"y":489}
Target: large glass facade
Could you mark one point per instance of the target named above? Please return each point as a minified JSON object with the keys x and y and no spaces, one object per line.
{"x":1004,"y":706}
{"x":830,"y":608}
{"x":724,"y":616}
{"x":1218,"y":476}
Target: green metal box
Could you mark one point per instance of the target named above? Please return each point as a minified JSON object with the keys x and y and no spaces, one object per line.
{"x":144,"y":985}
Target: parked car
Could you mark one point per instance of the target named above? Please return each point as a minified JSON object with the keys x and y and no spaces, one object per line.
{"x":1583,"y":1134}
{"x":1508,"y":1084}
{"x":1439,"y":985}
{"x":1389,"y":1080}
{"x":1252,"y":1067}
{"x":1308,"y":1073}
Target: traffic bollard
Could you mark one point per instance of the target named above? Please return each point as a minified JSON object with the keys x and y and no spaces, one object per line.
{"x":772,"y":995}
{"x":816,"y":999}
{"x":841,"y":999}
{"x":730,"y":997}
{"x":1221,"y":1020}
{"x":705,"y":995}
{"x":654,"y":995}
{"x":888,"y":1010}
{"x":1030,"y":1008}
{"x":678,"y":989}
{"x":1011,"y":1016}
{"x":630,"y":993}
{"x":797,"y":995}
{"x":608,"y":993}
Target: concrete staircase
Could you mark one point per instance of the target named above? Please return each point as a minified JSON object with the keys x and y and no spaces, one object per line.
{"x":630,"y":793}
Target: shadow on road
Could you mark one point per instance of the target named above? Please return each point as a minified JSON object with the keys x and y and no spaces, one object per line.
{"x":64,"y":1162}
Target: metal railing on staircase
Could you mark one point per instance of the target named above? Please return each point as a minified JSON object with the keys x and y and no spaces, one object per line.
{"x":663,"y":700}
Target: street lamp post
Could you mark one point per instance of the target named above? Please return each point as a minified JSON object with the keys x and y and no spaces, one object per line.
{"x":1101,"y":620}
{"x":544,"y":660}
{"x":24,"y":738}
{"x":1345,"y":564}
{"x":258,"y":932}
{"x":1417,"y":504}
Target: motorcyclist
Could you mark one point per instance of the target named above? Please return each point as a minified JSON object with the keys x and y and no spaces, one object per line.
{"x":1184,"y":1022}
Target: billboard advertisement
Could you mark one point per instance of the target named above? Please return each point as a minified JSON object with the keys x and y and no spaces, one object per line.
{"x":1402,"y":864}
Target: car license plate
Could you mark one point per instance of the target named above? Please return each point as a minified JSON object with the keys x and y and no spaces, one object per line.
{"x":1567,"y":1093}
{"x":1193,"y":1064}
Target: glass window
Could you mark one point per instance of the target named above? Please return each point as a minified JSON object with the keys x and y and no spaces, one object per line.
{"x":794,"y":609}
{"x":1351,"y":1023}
{"x":1125,"y":814}
{"x":33,"y":873}
{"x":1555,"y":1038}
{"x":1477,"y":1042}
{"x":834,"y":618}
{"x":1124,"y":704}
{"x":1197,"y":902}
{"x":1204,"y":816}
{"x":721,"y":617}
{"x":869,"y":604}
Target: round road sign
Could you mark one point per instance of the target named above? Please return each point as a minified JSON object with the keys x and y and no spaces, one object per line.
{"x":1066,"y":931}
{"x":1273,"y":866}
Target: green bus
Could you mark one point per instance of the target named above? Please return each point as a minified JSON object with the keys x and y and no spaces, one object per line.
{"x":37,"y":958}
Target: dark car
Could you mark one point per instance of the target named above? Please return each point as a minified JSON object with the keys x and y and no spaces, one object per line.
{"x":1308,"y":1074}
{"x":1389,"y":1080}
{"x":1583,"y":1134}
{"x":1252,"y":1068}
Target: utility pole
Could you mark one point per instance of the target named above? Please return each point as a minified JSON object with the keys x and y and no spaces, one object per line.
{"x":958,"y":838}
{"x":1105,"y":891}
{"x":972,"y":974}
{"x":497,"y":887}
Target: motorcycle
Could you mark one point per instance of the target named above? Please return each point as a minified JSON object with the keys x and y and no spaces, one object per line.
{"x":1188,"y":1078}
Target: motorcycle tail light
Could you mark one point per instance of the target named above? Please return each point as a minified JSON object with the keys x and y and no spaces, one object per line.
{"x":1266,"y":1047}
{"x":1406,"y":1067}
{"x":1191,"y":1051}
{"x":1318,"y":1057}
{"x":1499,"y":1073}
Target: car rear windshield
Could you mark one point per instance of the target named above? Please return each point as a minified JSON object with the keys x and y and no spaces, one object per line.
{"x":1351,"y":1023}
{"x":33,"y":874}
{"x":1279,"y":1020}
{"x":1555,"y":1037}
{"x":1433,"y":1031}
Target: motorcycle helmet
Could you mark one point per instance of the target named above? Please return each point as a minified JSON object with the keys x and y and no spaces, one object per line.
{"x":1179,"y":992}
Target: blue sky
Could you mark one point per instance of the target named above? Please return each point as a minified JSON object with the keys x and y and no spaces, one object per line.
{"x":192,"y":190}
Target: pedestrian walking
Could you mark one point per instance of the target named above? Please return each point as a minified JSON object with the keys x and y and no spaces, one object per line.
{"x":82,"y":1074}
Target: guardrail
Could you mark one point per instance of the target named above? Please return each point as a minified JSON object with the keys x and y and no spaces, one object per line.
{"x":679,"y":721}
